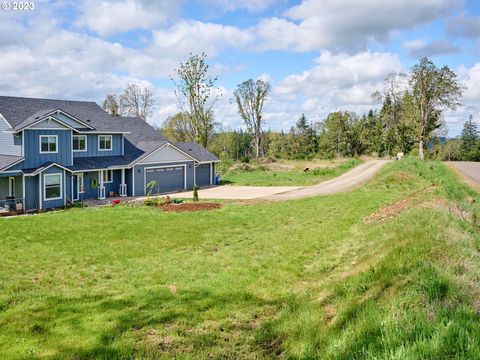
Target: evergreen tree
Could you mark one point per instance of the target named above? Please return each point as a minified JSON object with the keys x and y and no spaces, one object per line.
{"x":469,"y":145}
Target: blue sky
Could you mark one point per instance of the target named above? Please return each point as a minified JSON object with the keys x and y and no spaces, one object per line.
{"x":319,"y":55}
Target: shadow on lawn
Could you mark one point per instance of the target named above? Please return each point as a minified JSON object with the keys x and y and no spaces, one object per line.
{"x":163,"y":323}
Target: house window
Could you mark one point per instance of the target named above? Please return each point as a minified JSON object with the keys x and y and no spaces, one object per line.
{"x":107,"y":176}
{"x":52,"y":186}
{"x":104,"y":142}
{"x":11,"y":187}
{"x":48,"y":144}
{"x":79,"y":142}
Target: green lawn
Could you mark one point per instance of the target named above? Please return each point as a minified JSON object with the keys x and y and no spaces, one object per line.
{"x":263,"y":175}
{"x":301,"y":279}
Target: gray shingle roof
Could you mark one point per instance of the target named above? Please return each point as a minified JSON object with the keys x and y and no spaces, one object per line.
{"x":7,"y":160}
{"x":196,"y":151}
{"x":141,"y":138}
{"x":17,"y":110}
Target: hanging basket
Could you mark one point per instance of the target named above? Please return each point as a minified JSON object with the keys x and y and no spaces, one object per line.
{"x":94,"y":183}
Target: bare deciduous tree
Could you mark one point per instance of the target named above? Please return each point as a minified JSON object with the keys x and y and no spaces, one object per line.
{"x":250,"y":97}
{"x":196,"y":94}
{"x":393,"y":88}
{"x":137,"y":101}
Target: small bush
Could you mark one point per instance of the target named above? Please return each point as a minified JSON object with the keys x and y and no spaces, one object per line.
{"x":78,"y":204}
{"x":245,"y":159}
{"x":154,"y":202}
{"x":195,"y":193}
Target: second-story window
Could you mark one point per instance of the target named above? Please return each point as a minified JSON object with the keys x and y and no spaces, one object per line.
{"x":48,"y":144}
{"x":79,"y":142}
{"x":104,"y":142}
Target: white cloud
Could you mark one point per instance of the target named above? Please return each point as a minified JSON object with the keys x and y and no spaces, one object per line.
{"x":464,"y":26}
{"x":249,"y":5}
{"x":108,"y":17}
{"x":347,"y":24}
{"x":336,"y":82}
{"x":195,"y":36}
{"x":418,"y":48}
{"x":470,"y":77}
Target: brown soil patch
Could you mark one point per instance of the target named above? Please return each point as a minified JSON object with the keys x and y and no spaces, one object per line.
{"x":454,"y":209}
{"x":190,"y":207}
{"x":392,"y":210}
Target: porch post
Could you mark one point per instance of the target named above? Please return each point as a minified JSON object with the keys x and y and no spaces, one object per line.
{"x":123,"y":186}
{"x":101,"y":188}
{"x":23,"y":192}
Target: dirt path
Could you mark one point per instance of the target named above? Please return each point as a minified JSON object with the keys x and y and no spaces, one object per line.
{"x":344,"y":182}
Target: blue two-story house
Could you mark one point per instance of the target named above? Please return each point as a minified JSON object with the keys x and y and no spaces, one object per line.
{"x":53,"y":152}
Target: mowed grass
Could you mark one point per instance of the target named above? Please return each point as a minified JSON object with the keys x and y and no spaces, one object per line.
{"x":302,"y":279}
{"x":292,"y":173}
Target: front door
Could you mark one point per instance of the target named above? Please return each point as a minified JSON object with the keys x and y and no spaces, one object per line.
{"x":77,"y":186}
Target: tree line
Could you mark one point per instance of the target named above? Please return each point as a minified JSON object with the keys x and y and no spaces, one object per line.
{"x":410,"y":118}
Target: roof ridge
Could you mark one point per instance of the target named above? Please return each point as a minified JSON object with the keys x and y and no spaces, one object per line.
{"x":47,"y":99}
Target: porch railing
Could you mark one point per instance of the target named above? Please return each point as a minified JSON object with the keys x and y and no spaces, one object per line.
{"x":11,"y":204}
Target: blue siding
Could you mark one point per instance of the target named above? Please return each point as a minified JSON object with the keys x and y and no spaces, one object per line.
{"x":31,"y":191}
{"x":115,"y":185}
{"x":92,"y":147}
{"x":68,"y":186}
{"x":51,"y":204}
{"x":128,"y":181}
{"x":138,"y":174}
{"x":90,"y":193}
{"x":34,"y":159}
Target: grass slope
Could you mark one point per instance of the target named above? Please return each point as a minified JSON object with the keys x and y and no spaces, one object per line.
{"x":264,"y":176}
{"x":302,"y":279}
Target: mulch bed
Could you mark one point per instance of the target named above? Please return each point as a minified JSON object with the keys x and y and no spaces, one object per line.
{"x":10,"y":213}
{"x":190,"y":207}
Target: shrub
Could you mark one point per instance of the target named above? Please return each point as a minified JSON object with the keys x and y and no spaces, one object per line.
{"x":195,"y":193}
{"x":78,"y":204}
{"x":153,"y":202}
{"x":245,"y":159}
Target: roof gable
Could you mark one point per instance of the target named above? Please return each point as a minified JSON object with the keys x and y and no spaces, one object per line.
{"x":18,"y":110}
{"x":197,"y":151}
{"x":166,"y":153}
{"x":49,"y":123}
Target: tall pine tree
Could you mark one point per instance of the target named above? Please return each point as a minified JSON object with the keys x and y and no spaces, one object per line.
{"x":469,"y":146}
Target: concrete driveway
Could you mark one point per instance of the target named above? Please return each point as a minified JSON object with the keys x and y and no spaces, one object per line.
{"x":344,"y":182}
{"x":231,"y":192}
